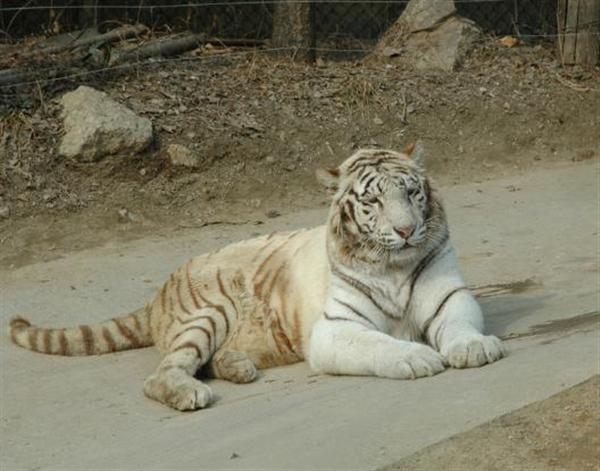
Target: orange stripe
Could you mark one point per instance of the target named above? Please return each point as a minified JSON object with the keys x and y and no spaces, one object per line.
{"x":189,"y":345}
{"x":32,"y":336}
{"x":179,"y":300}
{"x":197,"y":305}
{"x":47,"y":340}
{"x":222,"y":289}
{"x":136,"y":323}
{"x":269,"y":257}
{"x":297,"y":330}
{"x":258,"y":287}
{"x":163,"y":293}
{"x":128,"y":334}
{"x":218,"y":308}
{"x":64,"y":345}
{"x":262,"y":249}
{"x":170,"y":289}
{"x":190,"y":287}
{"x":112,"y":346}
{"x":194,"y":327}
{"x":213,"y":325}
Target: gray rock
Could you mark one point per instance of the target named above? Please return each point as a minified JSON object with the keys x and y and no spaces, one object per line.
{"x":4,"y":212}
{"x":95,"y":126}
{"x":182,"y":156}
{"x":445,"y":47}
{"x":421,"y":15}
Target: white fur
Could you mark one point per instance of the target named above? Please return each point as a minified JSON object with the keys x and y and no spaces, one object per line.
{"x":392,"y":350}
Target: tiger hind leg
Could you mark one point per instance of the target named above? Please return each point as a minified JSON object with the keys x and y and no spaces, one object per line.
{"x":233,"y":366}
{"x":190,"y":344}
{"x":173,"y":382}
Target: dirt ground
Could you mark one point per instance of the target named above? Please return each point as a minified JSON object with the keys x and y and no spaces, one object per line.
{"x":263,"y":125}
{"x":559,"y":433}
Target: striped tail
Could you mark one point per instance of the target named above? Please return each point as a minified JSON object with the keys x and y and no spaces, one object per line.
{"x":122,"y":333}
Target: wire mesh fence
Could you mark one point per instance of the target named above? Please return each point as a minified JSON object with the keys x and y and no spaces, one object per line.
{"x":335,"y":20}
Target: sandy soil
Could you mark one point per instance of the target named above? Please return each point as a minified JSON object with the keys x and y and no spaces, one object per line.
{"x":559,"y":433}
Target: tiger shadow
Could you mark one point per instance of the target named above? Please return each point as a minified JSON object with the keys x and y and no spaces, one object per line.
{"x":505,"y":304}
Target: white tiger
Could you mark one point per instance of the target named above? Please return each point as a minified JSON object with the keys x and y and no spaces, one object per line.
{"x":375,"y":291}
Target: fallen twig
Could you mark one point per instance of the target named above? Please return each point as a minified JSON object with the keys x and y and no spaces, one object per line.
{"x":162,"y":48}
{"x":404,"y":115}
{"x":218,"y":222}
{"x":572,"y":85}
{"x":117,"y":34}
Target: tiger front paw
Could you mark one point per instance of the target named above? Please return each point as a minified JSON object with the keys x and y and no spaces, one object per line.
{"x":416,"y":361}
{"x":473,"y":350}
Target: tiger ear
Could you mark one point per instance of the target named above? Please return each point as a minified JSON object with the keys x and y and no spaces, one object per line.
{"x":329,"y":178}
{"x":416,"y":152}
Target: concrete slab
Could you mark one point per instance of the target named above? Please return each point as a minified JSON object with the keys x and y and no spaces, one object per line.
{"x":528,"y":244}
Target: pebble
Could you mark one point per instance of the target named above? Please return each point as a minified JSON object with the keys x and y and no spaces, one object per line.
{"x":272,"y":213}
{"x":4,"y":212}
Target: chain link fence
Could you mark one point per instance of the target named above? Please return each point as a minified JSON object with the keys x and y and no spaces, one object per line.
{"x":337,"y":22}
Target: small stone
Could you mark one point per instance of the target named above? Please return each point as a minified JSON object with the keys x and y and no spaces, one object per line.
{"x":127,"y":216}
{"x":392,"y":51}
{"x":582,"y":155}
{"x":4,"y":212}
{"x":272,"y":213}
{"x":143,"y":172}
{"x":168,"y":128}
{"x":509,"y":41}
{"x":181,"y":155}
{"x":378,"y":121}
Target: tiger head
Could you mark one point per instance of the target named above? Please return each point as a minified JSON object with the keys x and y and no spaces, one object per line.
{"x":384,"y":208}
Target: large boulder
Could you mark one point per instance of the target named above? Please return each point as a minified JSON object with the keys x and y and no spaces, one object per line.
{"x":444,"y":47}
{"x":420,"y":15}
{"x":429,"y":35}
{"x":95,"y":125}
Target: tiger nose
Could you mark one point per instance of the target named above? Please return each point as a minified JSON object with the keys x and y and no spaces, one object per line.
{"x":404,"y":232}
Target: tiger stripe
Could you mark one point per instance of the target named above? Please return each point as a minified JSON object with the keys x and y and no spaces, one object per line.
{"x":423,"y":264}
{"x":47,"y":341}
{"x":355,"y":311}
{"x":361,"y":288}
{"x":108,"y":338}
{"x":439,"y":308}
{"x":189,"y":329}
{"x":179,"y":298}
{"x":191,"y":345}
{"x":33,"y":339}
{"x":223,"y":291}
{"x":220,"y":309}
{"x":190,"y":287}
{"x":267,"y":259}
{"x":88,"y":339}
{"x":128,"y":334}
{"x":62,"y":341}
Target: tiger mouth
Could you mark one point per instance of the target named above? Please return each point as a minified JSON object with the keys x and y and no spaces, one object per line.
{"x":398,"y":247}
